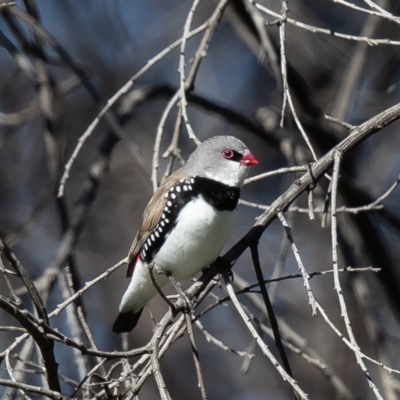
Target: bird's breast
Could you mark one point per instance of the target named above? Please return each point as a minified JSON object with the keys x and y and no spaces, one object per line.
{"x":199,"y":235}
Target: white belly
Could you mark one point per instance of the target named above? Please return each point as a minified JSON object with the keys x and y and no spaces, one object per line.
{"x":199,"y":236}
{"x":195,"y":242}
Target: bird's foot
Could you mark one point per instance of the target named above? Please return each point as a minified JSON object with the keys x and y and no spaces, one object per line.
{"x":158,"y":268}
{"x":153,"y":266}
{"x":188,"y":305}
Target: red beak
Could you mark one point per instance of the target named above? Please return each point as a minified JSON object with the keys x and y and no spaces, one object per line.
{"x":248,"y":159}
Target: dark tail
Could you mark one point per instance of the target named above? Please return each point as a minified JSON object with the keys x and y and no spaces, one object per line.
{"x":126,"y":321}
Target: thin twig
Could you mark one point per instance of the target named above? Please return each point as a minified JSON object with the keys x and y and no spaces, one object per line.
{"x":271,"y":314}
{"x":339,"y":122}
{"x":287,"y":96}
{"x":329,"y":32}
{"x":338,"y":289}
{"x":293,"y":341}
{"x":276,"y":172}
{"x":87,"y":286}
{"x":34,"y":389}
{"x":212,"y":339}
{"x":296,"y":253}
{"x":151,"y":268}
{"x":379,"y":13}
{"x":157,"y":142}
{"x":260,"y":342}
{"x":196,"y":359}
{"x":162,"y":388}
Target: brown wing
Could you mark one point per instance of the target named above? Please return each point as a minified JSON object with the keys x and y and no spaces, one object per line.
{"x":151,"y":217}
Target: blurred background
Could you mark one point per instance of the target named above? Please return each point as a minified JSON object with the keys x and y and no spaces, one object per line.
{"x":45,"y":108}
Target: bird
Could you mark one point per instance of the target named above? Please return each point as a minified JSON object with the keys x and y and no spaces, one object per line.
{"x":186,"y":223}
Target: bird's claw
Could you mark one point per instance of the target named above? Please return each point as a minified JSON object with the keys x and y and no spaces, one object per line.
{"x":187,"y":304}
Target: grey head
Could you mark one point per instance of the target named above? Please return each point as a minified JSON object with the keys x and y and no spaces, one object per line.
{"x":225,"y":159}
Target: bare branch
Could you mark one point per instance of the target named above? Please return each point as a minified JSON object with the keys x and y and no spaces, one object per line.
{"x":260,"y":342}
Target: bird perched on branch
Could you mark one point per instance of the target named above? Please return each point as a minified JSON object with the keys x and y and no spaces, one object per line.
{"x":186,"y":223}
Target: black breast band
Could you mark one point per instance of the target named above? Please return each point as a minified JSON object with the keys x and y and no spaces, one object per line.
{"x":219,"y":195}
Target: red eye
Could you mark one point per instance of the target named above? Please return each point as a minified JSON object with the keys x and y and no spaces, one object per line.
{"x":228,"y":154}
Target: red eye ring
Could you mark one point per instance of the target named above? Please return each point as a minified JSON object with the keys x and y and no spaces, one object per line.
{"x":228,"y":154}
